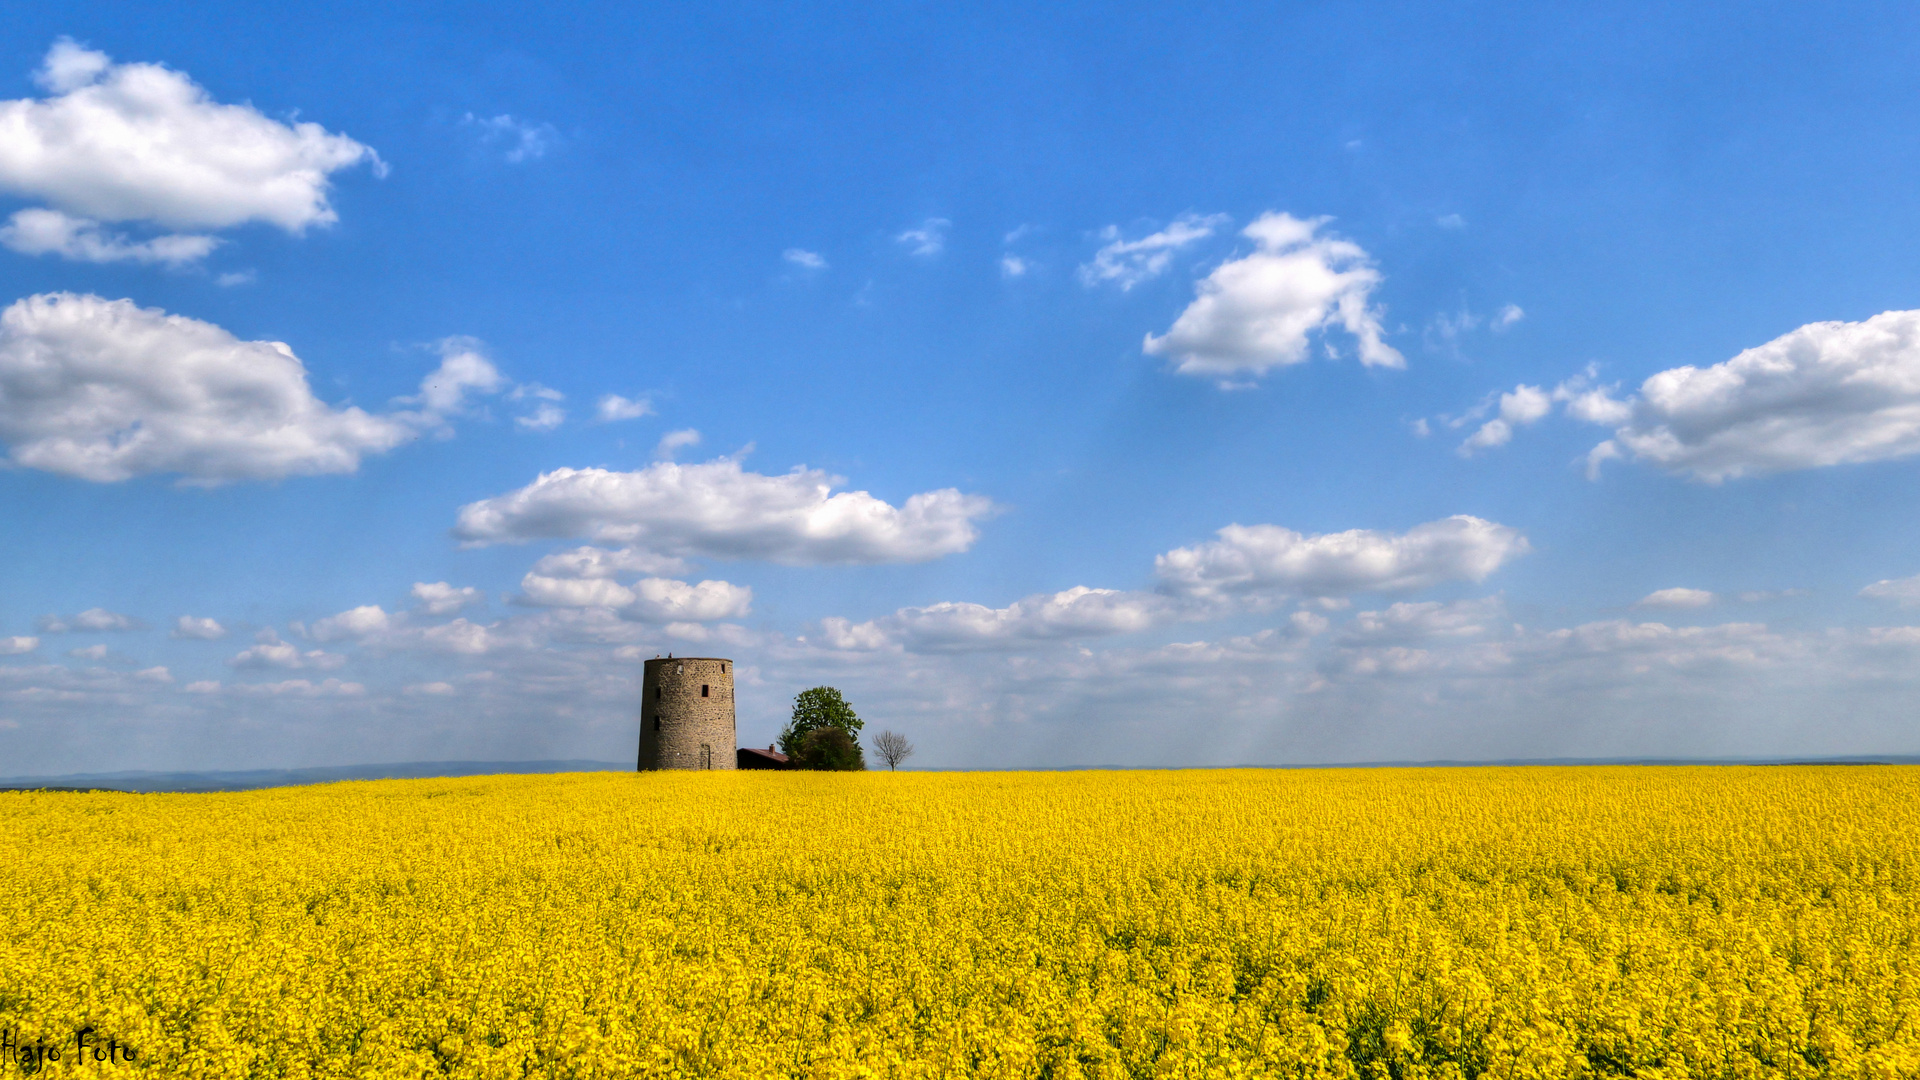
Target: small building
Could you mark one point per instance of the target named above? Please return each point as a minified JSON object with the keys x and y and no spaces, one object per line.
{"x":751,"y":757}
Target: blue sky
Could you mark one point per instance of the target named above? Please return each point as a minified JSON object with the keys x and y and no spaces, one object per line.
{"x":1112,"y":385}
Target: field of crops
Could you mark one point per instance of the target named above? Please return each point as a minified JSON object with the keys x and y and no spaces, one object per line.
{"x":1652,"y":922}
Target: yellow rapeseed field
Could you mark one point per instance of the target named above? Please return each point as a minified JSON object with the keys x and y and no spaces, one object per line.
{"x":1651,"y":922}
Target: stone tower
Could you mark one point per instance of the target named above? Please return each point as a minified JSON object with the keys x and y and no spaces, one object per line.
{"x":686,"y":714}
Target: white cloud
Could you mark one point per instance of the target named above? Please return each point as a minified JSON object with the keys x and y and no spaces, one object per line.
{"x":593,"y":562}
{"x":39,"y":231}
{"x":14,"y":646}
{"x":271,"y":652}
{"x":236,"y":277}
{"x":1526,"y":405}
{"x":1676,"y":598}
{"x":653,"y":599}
{"x":675,"y":441}
{"x":439,"y":598}
{"x":139,"y":143}
{"x":718,"y":509}
{"x":1523,"y":406}
{"x":95,"y":653}
{"x":1013,"y":266}
{"x":927,"y":239}
{"x":545,"y":417}
{"x":1073,"y":613}
{"x":354,"y":623}
{"x":1258,"y":312}
{"x":92,"y":620}
{"x":1491,"y":434}
{"x":1255,"y":560}
{"x":525,"y":141}
{"x":103,"y":390}
{"x":1902,"y":591}
{"x":464,"y":369}
{"x":1600,"y":455}
{"x":439,"y":689}
{"x":1127,"y":263}
{"x":204,"y":686}
{"x":189,"y":628}
{"x":614,"y":407}
{"x":295,"y":688}
{"x":1507,"y":316}
{"x":1828,"y":393}
{"x":806,"y":260}
{"x":1409,"y":623}
{"x":1452,"y":222}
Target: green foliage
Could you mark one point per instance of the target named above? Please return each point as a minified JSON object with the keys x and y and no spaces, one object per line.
{"x":829,"y":749}
{"x":820,"y":707}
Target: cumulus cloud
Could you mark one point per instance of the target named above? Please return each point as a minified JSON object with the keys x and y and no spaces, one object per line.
{"x":804,"y":259}
{"x":139,"y":143}
{"x":1259,"y":312}
{"x":1073,"y":613}
{"x":1676,"y":598}
{"x":1127,"y":263}
{"x":524,"y":140}
{"x":1410,"y":623}
{"x":545,"y":417}
{"x":1252,"y":561}
{"x":351,"y":624}
{"x":14,"y":646}
{"x":189,"y":628}
{"x":39,"y":231}
{"x":1507,"y":316}
{"x":614,"y":407}
{"x":1013,"y":266}
{"x":656,"y":600}
{"x":1524,"y":405}
{"x":673,"y":442}
{"x":439,"y":598}
{"x":594,"y":562}
{"x":92,"y":620}
{"x":1828,"y":393}
{"x":1902,"y":591}
{"x":271,"y":652}
{"x":927,"y":239}
{"x":719,"y":509}
{"x":292,"y":688}
{"x":463,"y":372}
{"x":104,"y":390}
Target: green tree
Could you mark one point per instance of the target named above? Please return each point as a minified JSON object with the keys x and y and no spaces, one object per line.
{"x":820,"y":707}
{"x":830,"y":749}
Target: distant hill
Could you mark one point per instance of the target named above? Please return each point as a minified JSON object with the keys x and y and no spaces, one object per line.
{"x":249,"y":779}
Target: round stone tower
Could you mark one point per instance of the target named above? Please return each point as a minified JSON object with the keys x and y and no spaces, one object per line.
{"x":686,"y":714}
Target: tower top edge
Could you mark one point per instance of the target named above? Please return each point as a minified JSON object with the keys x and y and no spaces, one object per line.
{"x":677,"y":659}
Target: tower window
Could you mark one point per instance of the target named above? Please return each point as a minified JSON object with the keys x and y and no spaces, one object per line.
{"x":656,"y":723}
{"x":723,"y":669}
{"x":656,"y":693}
{"x":703,"y":689}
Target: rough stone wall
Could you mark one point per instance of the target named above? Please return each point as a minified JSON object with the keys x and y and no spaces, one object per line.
{"x":680,"y":728}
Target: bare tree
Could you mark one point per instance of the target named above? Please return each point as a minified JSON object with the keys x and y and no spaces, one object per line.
{"x":892,"y":747}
